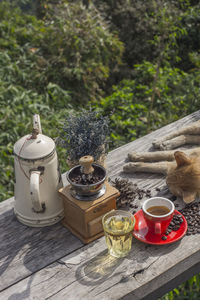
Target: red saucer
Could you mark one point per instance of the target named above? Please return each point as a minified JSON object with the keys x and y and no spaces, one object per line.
{"x":142,"y":233}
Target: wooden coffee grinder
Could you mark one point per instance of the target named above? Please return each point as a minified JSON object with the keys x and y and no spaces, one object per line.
{"x":88,"y":197}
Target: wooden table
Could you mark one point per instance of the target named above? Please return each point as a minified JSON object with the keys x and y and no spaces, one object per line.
{"x":51,"y":263}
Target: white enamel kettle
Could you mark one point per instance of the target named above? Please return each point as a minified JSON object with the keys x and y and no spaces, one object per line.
{"x":37,"y":176}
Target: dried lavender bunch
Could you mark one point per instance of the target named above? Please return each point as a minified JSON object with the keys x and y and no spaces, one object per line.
{"x":85,"y":133}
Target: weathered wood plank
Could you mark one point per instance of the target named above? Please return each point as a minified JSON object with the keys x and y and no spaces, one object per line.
{"x":89,"y":273}
{"x":25,"y":251}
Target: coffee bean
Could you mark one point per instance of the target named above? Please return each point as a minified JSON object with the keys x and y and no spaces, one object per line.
{"x":179,"y":216}
{"x":173,"y":198}
{"x":176,"y":227}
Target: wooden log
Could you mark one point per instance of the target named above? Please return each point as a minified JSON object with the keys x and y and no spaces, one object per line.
{"x":180,"y":141}
{"x":155,"y":168}
{"x":167,"y":155}
{"x":192,"y":129}
{"x":151,"y":156}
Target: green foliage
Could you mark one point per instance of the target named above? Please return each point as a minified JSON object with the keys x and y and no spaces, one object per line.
{"x":148,"y":28}
{"x":79,"y":50}
{"x":188,"y":290}
{"x":71,"y":48}
{"x":176,"y":94}
{"x":138,"y":22}
{"x":190,"y":42}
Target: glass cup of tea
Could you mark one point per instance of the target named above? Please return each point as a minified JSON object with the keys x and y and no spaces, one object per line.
{"x":158,"y":213}
{"x":118,"y":227}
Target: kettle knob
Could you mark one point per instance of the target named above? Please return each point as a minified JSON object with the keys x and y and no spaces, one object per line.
{"x":36,"y":123}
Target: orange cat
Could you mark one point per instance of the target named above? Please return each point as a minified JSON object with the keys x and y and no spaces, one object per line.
{"x":183,"y":179}
{"x":183,"y":173}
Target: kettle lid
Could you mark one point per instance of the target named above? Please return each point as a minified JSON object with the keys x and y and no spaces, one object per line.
{"x":34,"y":148}
{"x":35,"y":145}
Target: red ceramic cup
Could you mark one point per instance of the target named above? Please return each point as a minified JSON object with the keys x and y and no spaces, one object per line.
{"x":158,"y":224}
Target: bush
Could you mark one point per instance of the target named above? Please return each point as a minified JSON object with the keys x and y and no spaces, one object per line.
{"x":140,"y":24}
{"x":137,"y":22}
{"x":71,"y":47}
{"x":132,"y":112}
{"x":189,"y":43}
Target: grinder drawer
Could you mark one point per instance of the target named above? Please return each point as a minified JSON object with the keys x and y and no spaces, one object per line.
{"x":95,"y":226}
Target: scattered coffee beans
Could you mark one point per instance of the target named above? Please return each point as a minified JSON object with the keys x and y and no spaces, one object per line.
{"x":192,"y":214}
{"x":174,"y":225}
{"x":177,"y":220}
{"x":129,"y":192}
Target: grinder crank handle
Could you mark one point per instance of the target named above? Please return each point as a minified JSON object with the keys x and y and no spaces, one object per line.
{"x":86,"y":164}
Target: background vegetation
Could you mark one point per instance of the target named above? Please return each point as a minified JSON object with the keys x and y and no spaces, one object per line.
{"x":137,"y":61}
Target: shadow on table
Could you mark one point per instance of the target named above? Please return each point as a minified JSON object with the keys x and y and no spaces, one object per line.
{"x":24,"y":294}
{"x":98,"y":269}
{"x":25,"y":250}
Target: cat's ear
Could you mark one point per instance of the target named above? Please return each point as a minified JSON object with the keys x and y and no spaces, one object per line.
{"x":181,"y":158}
{"x":188,"y":197}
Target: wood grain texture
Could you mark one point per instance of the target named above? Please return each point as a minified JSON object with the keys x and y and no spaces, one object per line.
{"x":50,"y":263}
{"x":25,"y":250}
{"x":89,"y":273}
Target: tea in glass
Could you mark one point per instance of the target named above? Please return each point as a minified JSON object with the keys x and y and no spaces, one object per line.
{"x":118,"y":227}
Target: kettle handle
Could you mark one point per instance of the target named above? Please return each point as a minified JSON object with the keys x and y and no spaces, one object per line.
{"x":38,"y":206}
